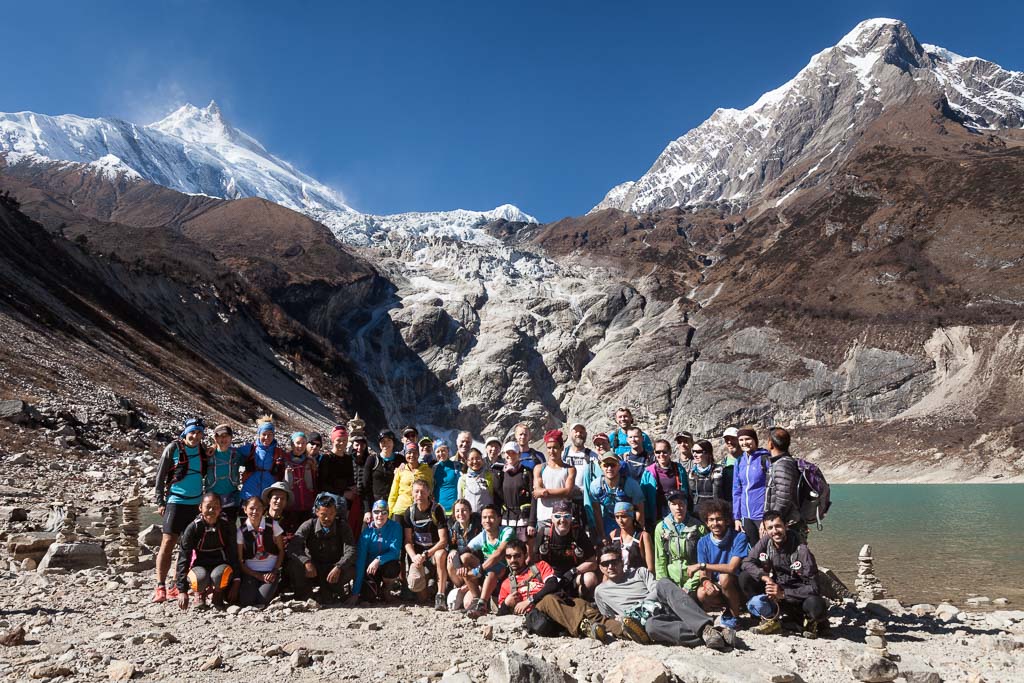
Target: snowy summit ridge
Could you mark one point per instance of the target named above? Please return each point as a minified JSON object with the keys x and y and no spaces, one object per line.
{"x":812,"y":120}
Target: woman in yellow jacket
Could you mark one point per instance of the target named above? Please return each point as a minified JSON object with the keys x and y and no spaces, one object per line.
{"x":400,"y":497}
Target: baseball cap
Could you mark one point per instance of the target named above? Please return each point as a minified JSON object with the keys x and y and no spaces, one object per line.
{"x":601,"y":437}
{"x":491,"y":440}
{"x":731,"y":432}
{"x":572,"y":428}
{"x":678,"y":494}
{"x":684,"y":436}
{"x":511,"y":446}
{"x":610,"y":457}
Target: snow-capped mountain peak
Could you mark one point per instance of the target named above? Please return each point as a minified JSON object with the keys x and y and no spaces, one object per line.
{"x":189,"y":122}
{"x":813,"y":119}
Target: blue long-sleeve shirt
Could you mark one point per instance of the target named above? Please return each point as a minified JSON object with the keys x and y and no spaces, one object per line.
{"x":384,"y":543}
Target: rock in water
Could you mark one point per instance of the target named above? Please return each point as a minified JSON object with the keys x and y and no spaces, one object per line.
{"x":120,"y":670}
{"x":517,"y":667}
{"x":73,"y":557}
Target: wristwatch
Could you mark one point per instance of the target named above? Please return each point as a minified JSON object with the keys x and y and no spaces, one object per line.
{"x":703,"y":566}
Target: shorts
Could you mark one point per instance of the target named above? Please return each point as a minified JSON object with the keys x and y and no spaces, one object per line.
{"x":496,"y":569}
{"x":177,"y":516}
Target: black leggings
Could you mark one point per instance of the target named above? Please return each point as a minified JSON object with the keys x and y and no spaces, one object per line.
{"x":752,"y":530}
{"x":813,"y":607}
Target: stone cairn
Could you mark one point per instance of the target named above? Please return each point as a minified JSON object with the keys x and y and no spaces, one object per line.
{"x":874,"y":641}
{"x":66,"y":532}
{"x":356,"y":427}
{"x":868,"y":585}
{"x":129,"y":546}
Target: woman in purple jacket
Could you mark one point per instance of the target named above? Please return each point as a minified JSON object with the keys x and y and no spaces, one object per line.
{"x":749,"y":481}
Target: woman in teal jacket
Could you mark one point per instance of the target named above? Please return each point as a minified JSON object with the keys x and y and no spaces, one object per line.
{"x":377,"y":558}
{"x":660,"y":478}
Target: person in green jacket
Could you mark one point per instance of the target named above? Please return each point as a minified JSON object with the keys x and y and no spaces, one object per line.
{"x":675,"y":542}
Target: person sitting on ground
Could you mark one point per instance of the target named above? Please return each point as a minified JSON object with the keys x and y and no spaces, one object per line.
{"x":668,"y":614}
{"x":565,"y":546}
{"x":426,"y":543}
{"x":300,"y":474}
{"x":614,"y":487}
{"x":749,"y":480}
{"x":515,"y":485}
{"x":684,"y":446}
{"x":427,"y":456}
{"x":378,"y":558}
{"x":588,"y":469}
{"x":208,"y":557}
{"x":261,"y":546}
{"x":447,"y":472}
{"x":400,"y":496}
{"x":619,"y":437}
{"x":779,"y":577}
{"x":527,"y":454}
{"x":707,"y":478}
{"x":264,"y":459}
{"x":782,"y":490}
{"x":223,"y":475}
{"x":536,"y":586}
{"x":675,"y":542}
{"x":322,"y":553}
{"x":463,"y":526}
{"x":484,"y":570}
{"x":379,"y":470}
{"x":719,"y":556}
{"x":635,"y":544}
{"x":552,"y":480}
{"x":660,"y":477}
{"x":179,"y":489}
{"x":277,"y":497}
{"x":477,"y":484}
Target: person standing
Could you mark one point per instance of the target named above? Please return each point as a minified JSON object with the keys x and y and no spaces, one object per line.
{"x":264,"y":460}
{"x":750,"y":479}
{"x":782,"y":490}
{"x":659,"y":478}
{"x":447,"y":472}
{"x":224,"y":475}
{"x":707,"y":478}
{"x":618,"y":437}
{"x":515,"y":486}
{"x":552,"y":480}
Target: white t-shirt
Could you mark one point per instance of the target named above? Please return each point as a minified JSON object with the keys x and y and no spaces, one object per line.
{"x":265,"y":561}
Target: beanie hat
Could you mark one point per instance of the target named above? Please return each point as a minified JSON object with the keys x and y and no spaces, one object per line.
{"x":747,"y":431}
{"x":554,"y":435}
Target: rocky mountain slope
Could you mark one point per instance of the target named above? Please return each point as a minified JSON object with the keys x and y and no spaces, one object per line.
{"x":852,"y":296}
{"x":815,"y":119}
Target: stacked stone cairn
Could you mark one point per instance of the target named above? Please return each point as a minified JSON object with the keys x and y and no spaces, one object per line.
{"x":66,"y":532}
{"x":356,"y":427}
{"x":867,"y":584}
{"x":129,"y":546}
{"x":874,"y":640}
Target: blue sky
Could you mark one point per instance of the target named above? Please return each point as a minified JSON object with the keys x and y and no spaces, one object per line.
{"x":438,"y":105}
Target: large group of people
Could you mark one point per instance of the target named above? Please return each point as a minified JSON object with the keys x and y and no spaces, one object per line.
{"x":611,"y":536}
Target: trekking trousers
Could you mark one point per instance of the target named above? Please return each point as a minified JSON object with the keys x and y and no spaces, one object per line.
{"x":569,"y":612}
{"x":256,"y":592}
{"x":682,"y":620}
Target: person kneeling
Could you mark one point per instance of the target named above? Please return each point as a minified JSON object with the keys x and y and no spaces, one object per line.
{"x":667,"y":613}
{"x":377,"y":562}
{"x":719,"y":556}
{"x":207,"y":559}
{"x":322,"y":553}
{"x":532,"y":587}
{"x":483,"y":577}
{"x":779,"y":577}
{"x":261,"y":547}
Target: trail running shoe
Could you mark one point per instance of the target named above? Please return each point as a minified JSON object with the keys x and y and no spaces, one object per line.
{"x":767,"y":627}
{"x":172,"y":593}
{"x":440,"y":603}
{"x":593,"y":630}
{"x":712,"y":638}
{"x":810,"y":630}
{"x":479,"y":609}
{"x":728,"y":635}
{"x":632,"y":630}
{"x":160,"y":594}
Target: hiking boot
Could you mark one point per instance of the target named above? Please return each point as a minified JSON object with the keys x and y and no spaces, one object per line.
{"x":712,"y":638}
{"x":479,"y":609}
{"x":767,"y":627}
{"x":728,"y":635}
{"x":810,"y":630}
{"x":632,"y":630}
{"x":160,"y":594}
{"x":440,"y":603}
{"x":593,"y":630}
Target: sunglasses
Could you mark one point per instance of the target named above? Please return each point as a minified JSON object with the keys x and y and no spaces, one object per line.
{"x":663,"y":452}
{"x":380,"y":512}
{"x":697,"y":450}
{"x":611,"y":563}
{"x":562,"y":515}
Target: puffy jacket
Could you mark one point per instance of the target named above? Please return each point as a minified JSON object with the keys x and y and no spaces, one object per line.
{"x":782,"y":490}
{"x":792,"y":566}
{"x":674,"y":550}
{"x":310,"y":544}
{"x":655,"y":505}
{"x":384,"y":543}
{"x":748,"y":485}
{"x":400,"y":497}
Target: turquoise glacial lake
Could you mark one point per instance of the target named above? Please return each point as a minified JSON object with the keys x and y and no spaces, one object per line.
{"x":931,"y":542}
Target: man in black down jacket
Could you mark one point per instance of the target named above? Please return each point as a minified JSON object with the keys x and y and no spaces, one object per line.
{"x":322,"y":553}
{"x":782,"y":493}
{"x":778,"y":575}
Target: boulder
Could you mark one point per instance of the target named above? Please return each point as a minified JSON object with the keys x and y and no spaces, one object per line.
{"x":638,"y":670}
{"x":511,"y":666}
{"x":885,"y":608}
{"x":50,"y":671}
{"x":13,"y":636}
{"x":73,"y":557}
{"x":946,"y":612}
{"x":700,"y":665}
{"x":33,"y":544}
{"x":16,"y":411}
{"x":10,"y":513}
{"x":212,"y":663}
{"x":151,"y":536}
{"x":120,"y":670}
{"x":871,"y":668}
